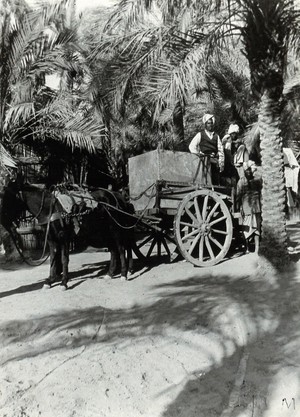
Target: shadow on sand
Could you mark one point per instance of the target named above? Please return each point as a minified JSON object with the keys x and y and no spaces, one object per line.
{"x":250,"y":326}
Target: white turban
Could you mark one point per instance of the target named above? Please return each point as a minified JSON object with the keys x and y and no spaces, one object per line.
{"x":207,"y":117}
{"x":233,"y":129}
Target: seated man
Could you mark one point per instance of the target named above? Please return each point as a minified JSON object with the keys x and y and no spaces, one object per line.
{"x":207,"y":142}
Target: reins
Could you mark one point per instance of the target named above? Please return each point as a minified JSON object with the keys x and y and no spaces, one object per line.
{"x":43,"y":258}
{"x":48,"y":225}
{"x":42,"y":205}
{"x":109,"y":208}
{"x":33,"y":262}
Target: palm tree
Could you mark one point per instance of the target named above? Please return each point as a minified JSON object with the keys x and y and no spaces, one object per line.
{"x":34,"y":44}
{"x":133,"y":81}
{"x":270,"y":26}
{"x":267,"y":31}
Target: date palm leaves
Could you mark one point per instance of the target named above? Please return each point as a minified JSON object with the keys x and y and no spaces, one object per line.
{"x":184,"y":35}
{"x":36,"y":43}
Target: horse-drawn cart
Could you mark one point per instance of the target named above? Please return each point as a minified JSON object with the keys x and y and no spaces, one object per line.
{"x":179,"y":209}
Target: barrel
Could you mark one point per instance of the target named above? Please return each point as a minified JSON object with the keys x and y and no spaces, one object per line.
{"x":32,"y":235}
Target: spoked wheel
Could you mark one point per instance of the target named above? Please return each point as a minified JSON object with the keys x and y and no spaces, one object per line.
{"x":203,"y":228}
{"x":155,"y":243}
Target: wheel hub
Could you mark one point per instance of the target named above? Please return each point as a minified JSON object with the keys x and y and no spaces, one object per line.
{"x":204,"y":229}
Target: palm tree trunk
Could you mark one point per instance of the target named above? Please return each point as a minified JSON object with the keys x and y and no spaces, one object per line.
{"x":274,"y":235}
{"x":178,"y":127}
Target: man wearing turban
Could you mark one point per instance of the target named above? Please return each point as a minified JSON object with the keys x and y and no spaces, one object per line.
{"x":207,"y":142}
{"x":236,"y":154}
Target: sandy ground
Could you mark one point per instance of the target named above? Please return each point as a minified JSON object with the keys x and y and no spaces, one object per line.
{"x":175,"y":341}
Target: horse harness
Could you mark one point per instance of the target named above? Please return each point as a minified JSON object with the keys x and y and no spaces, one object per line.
{"x":75,"y":204}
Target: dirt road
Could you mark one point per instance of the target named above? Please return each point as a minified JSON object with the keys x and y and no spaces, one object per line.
{"x":175,"y":341}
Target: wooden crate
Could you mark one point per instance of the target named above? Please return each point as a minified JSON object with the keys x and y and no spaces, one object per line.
{"x":146,"y":169}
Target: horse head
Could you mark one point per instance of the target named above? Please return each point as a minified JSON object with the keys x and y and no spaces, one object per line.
{"x":108,"y":198}
{"x":20,"y":197}
{"x":39,"y":201}
{"x":13,"y":205}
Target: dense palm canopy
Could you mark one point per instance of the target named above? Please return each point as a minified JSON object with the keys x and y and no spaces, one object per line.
{"x":147,"y":70}
{"x":37,"y":43}
{"x":151,"y":82}
{"x":165,"y":48}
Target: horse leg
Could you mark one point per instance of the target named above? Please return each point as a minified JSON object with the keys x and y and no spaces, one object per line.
{"x":130,"y":242}
{"x":65,"y":264}
{"x":124,"y":266}
{"x":129,"y":261}
{"x":53,"y":264}
{"x":112,"y":263}
{"x":58,"y":261}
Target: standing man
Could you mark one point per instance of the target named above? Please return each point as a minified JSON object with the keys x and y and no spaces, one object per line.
{"x":236,"y":154}
{"x":207,"y":142}
{"x":249,"y":201}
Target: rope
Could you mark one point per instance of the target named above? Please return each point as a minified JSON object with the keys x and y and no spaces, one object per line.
{"x":93,"y":199}
{"x":80,"y":214}
{"x":48,"y":227}
{"x":142,"y":193}
{"x":42,"y":205}
{"x":41,"y":260}
{"x":109,"y":192}
{"x":106,"y":206}
{"x":33,"y":263}
{"x":139,"y":218}
{"x":119,"y":224}
{"x":205,"y":169}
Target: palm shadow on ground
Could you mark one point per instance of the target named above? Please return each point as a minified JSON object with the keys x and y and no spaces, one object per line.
{"x":234,"y":318}
{"x":86,"y":273}
{"x":247,"y":379}
{"x":139,"y":268}
{"x":271,"y":345}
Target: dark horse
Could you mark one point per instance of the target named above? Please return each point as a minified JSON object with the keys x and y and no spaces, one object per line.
{"x":107,"y":225}
{"x":111,"y":225}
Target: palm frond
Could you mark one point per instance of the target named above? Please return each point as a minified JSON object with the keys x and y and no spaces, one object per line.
{"x":122,"y":74}
{"x":6,"y":160}
{"x":19,"y":114}
{"x":128,"y":13}
{"x":292,"y":87}
{"x":76,"y":128}
{"x":171,"y":80}
{"x":252,"y":135}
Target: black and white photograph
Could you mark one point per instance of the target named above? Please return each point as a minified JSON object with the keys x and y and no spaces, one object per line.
{"x":149,"y":208}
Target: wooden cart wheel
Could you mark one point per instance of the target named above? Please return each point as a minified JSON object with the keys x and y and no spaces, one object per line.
{"x":153,"y":244}
{"x":203,"y":228}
